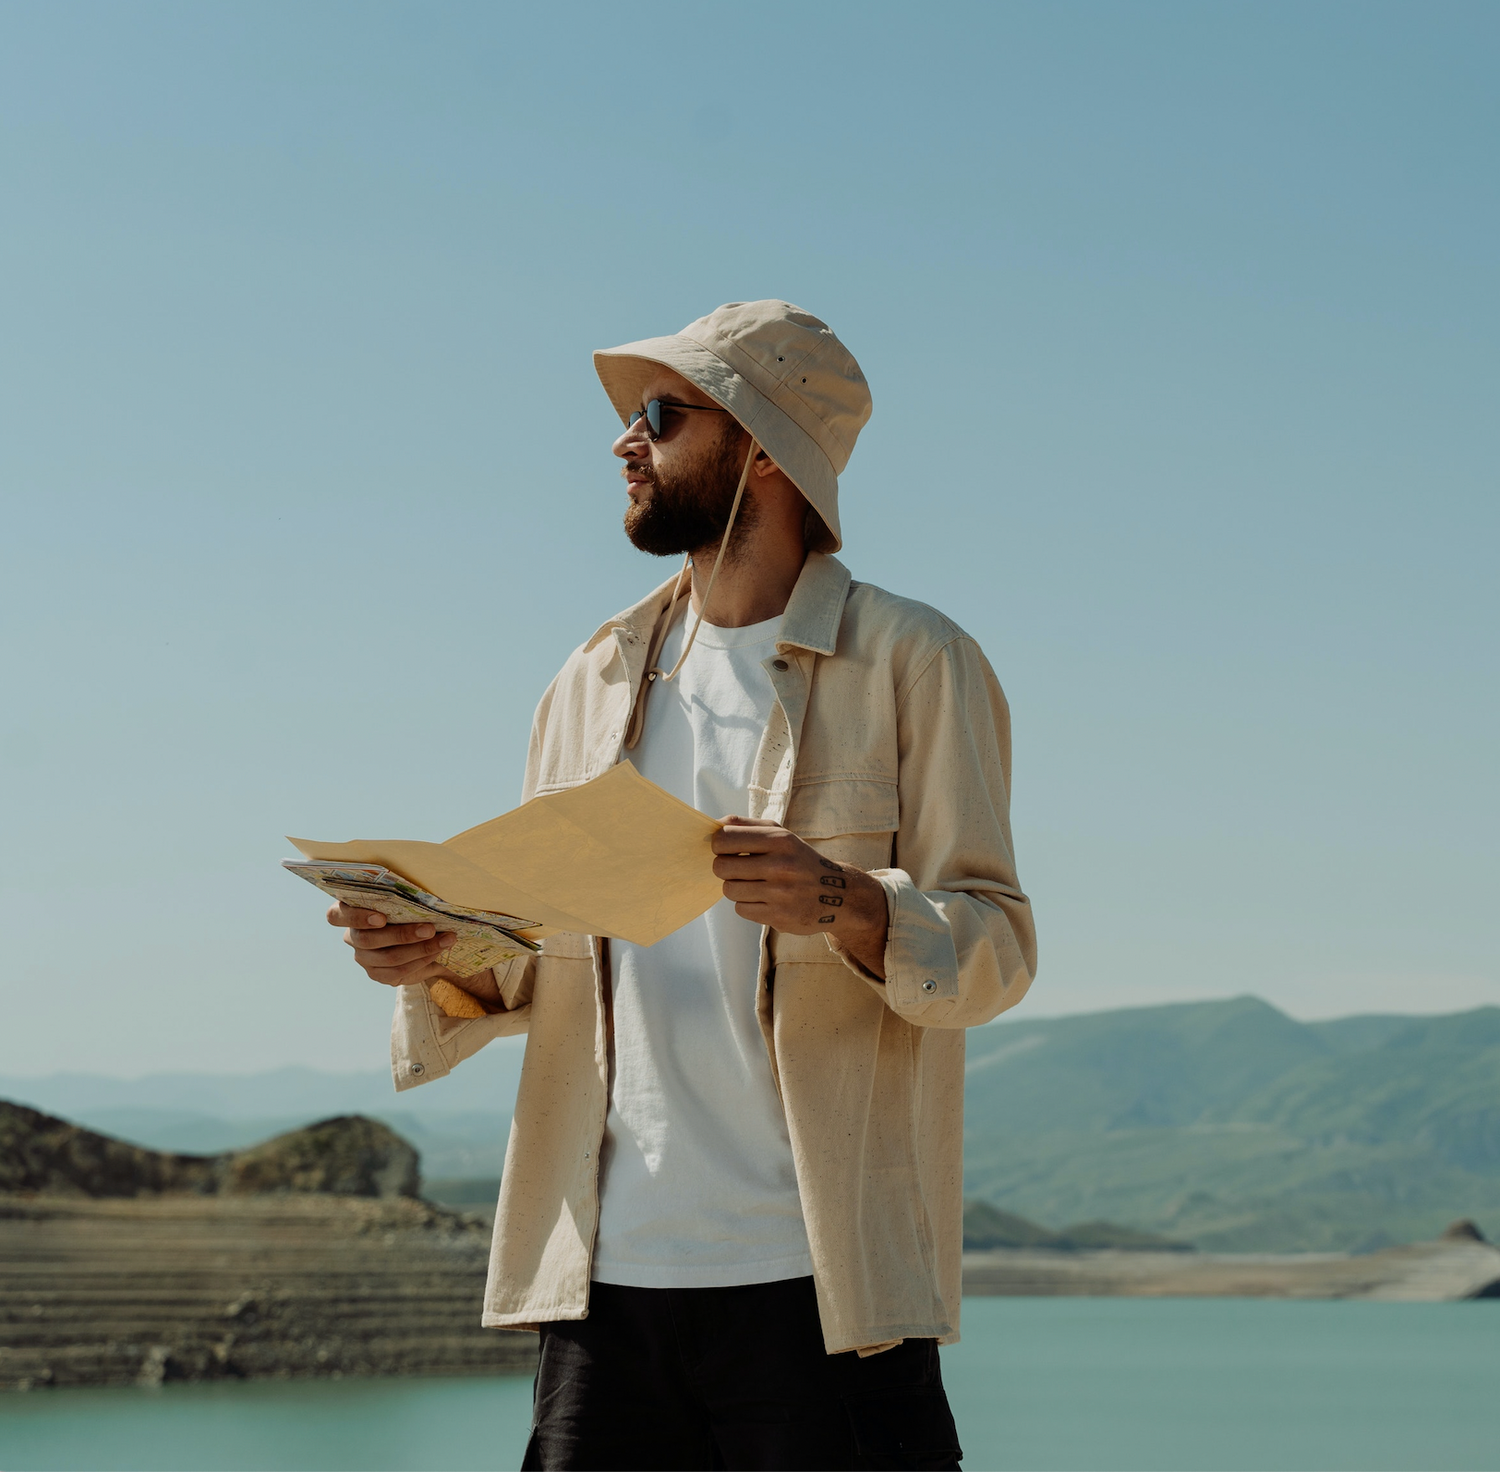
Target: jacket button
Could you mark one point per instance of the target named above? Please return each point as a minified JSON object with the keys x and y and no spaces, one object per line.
{"x":780,"y":664}
{"x":418,"y":1068}
{"x":929,"y":986}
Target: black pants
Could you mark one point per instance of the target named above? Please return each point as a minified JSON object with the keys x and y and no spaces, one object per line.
{"x":730,"y":1377}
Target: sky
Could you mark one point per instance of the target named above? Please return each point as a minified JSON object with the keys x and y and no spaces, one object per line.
{"x":1180,"y":324}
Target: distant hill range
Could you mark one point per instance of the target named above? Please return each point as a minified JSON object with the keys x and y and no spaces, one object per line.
{"x":458,"y":1123}
{"x":1227,"y":1125}
{"x":1231,"y":1126}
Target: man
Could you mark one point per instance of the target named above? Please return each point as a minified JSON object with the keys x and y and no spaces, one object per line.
{"x":732,"y":1196}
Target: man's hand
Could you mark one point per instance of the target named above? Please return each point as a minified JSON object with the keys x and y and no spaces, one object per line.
{"x":776,"y":879}
{"x":401,"y":955}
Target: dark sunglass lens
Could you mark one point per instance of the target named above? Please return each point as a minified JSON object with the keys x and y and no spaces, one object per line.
{"x":653,"y":417}
{"x":635,"y":415}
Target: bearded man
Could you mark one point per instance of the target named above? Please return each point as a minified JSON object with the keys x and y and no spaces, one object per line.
{"x":732,"y":1197}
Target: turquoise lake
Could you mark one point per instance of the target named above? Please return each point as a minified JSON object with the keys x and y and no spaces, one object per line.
{"x":1219,"y":1385}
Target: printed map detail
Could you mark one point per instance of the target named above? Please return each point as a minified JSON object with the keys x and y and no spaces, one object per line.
{"x":484,"y":938}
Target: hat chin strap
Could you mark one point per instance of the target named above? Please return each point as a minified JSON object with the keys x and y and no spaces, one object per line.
{"x":687,"y":562}
{"x":653,"y":671}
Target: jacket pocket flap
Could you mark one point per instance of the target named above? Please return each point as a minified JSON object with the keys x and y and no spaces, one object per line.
{"x":829,"y":807}
{"x":568,"y":945}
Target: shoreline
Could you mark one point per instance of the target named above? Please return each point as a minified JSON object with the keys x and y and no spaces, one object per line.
{"x":153,"y":1289}
{"x":1444,"y":1270}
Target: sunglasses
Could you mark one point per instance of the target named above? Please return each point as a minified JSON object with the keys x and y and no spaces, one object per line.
{"x":653,"y":411}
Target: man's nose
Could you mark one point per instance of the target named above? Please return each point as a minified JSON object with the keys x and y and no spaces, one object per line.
{"x":633,"y":443}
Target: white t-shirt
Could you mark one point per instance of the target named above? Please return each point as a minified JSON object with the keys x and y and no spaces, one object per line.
{"x":697,"y":1186}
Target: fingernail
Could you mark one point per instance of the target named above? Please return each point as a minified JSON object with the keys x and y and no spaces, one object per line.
{"x":374,"y":918}
{"x":425,"y":932}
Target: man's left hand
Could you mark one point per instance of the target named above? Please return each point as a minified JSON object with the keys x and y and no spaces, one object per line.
{"x":776,"y":879}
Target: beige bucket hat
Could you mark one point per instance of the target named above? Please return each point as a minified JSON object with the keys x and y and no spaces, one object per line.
{"x":779,"y":370}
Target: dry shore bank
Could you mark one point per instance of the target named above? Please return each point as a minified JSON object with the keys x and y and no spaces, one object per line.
{"x":1452,"y":1267}
{"x":112,"y":1292}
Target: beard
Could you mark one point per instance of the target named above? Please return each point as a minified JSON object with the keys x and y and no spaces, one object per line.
{"x":688,"y":509}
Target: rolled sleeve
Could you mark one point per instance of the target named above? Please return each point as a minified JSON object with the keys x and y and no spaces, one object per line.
{"x":960,"y":945}
{"x":921,"y":963}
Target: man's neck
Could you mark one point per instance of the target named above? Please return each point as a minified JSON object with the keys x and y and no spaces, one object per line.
{"x":754,"y":585}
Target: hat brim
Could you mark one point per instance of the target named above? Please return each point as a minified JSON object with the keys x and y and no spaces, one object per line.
{"x":625,"y":372}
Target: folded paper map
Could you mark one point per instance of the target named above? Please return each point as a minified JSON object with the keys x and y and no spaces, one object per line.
{"x":616,"y":857}
{"x":484,"y":938}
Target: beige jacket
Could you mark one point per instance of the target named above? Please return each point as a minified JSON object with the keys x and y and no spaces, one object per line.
{"x":889,"y":748}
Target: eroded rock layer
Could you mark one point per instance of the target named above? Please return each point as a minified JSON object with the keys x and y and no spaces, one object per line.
{"x":111,"y":1292}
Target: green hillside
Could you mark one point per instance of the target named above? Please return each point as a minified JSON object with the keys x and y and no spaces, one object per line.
{"x":986,"y":1226}
{"x":1230,"y":1125}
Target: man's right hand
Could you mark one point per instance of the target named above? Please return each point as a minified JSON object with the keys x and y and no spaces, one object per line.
{"x":393,"y":955}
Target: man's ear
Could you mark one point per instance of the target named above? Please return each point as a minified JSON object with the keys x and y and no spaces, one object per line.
{"x":764,"y":465}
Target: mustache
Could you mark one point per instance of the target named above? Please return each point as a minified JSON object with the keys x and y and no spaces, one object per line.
{"x":641,"y":468}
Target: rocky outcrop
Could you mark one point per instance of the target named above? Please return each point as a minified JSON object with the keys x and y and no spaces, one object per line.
{"x":346,"y":1156}
{"x":1463,"y":1231}
{"x":40,"y":1153}
{"x":986,"y":1227}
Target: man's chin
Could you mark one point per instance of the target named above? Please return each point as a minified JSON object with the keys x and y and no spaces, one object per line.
{"x":653,"y":540}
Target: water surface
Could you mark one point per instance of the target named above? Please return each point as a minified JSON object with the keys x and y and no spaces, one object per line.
{"x":1075,"y":1384}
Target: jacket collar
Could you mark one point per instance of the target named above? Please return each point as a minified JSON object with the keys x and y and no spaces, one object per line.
{"x":816,"y":608}
{"x":637,"y":621}
{"x":811,"y":621}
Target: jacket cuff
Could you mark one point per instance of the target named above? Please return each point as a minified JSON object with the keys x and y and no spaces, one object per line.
{"x":921,"y":962}
{"x":427,"y":1044}
{"x":416,"y":1054}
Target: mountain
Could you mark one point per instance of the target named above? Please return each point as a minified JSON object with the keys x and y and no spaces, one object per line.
{"x":346,"y":1156}
{"x":483,"y":1082}
{"x":1233,"y":1126}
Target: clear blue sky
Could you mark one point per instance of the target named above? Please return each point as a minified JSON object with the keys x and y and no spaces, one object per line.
{"x":1181,"y":325}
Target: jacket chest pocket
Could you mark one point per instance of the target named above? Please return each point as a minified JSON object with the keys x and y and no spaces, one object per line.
{"x":833,"y":807}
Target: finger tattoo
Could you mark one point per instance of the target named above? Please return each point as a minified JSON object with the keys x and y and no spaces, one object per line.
{"x":833,"y":881}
